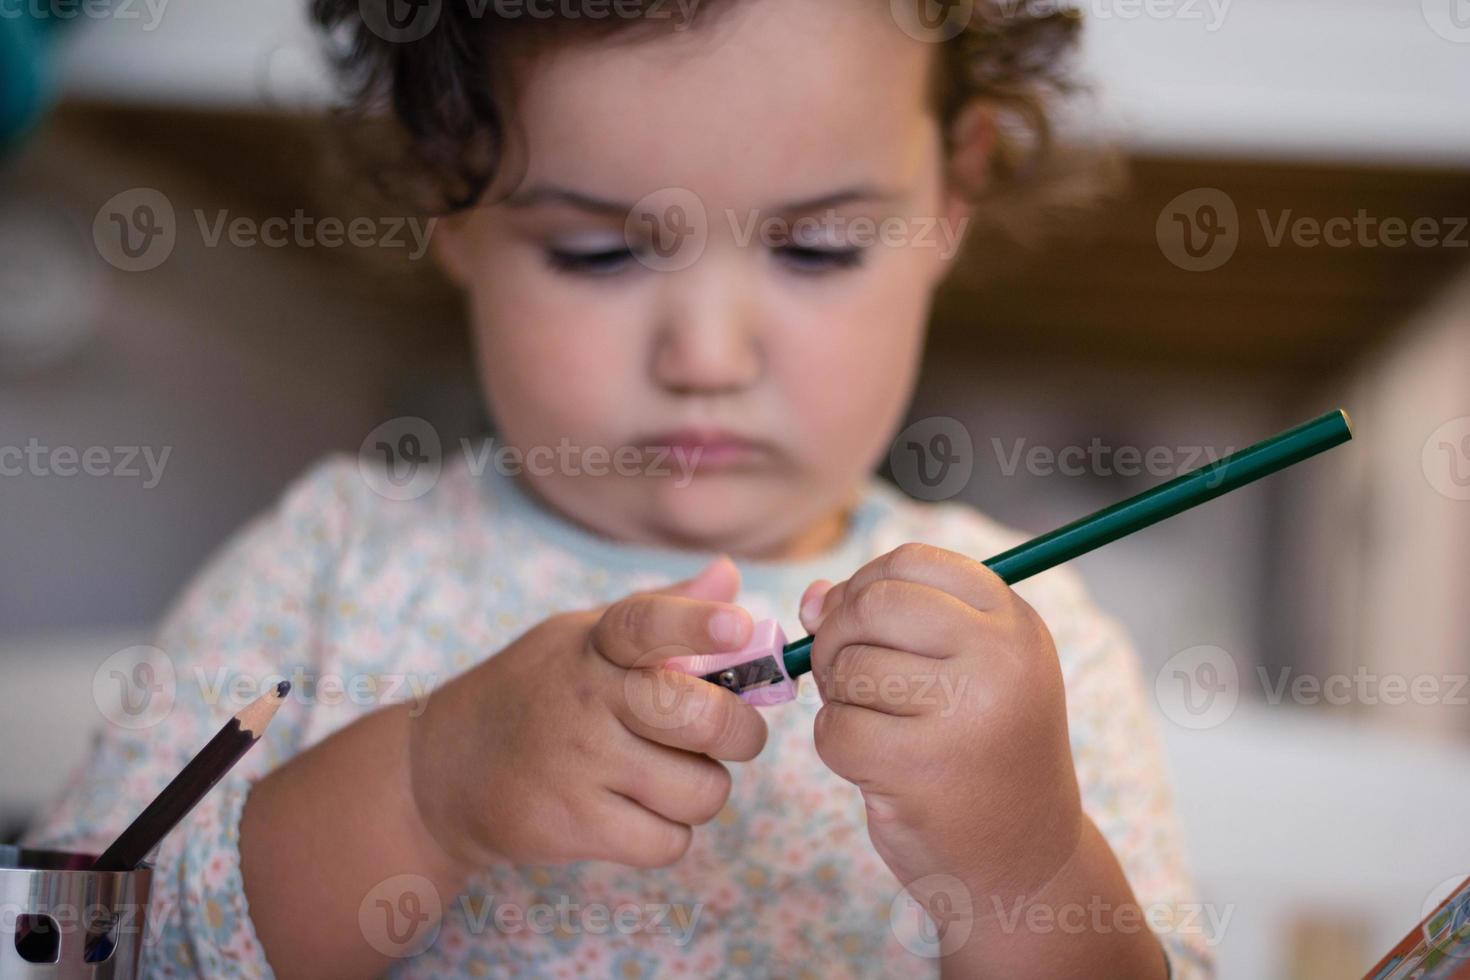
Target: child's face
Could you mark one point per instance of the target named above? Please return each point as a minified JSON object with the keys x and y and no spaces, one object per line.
{"x":787,"y":364}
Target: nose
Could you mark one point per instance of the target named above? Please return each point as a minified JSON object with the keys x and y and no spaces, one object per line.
{"x":708,"y":341}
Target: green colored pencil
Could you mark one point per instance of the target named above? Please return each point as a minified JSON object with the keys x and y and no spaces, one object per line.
{"x":1150,"y":507}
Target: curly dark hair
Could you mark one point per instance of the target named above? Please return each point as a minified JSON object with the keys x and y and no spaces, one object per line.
{"x":437,"y":87}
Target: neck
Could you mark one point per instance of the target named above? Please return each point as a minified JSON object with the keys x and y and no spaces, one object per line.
{"x":817,"y":539}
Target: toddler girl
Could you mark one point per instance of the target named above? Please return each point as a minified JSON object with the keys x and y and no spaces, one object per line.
{"x":660,"y":219}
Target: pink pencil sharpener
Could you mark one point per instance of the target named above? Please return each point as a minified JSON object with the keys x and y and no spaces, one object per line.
{"x":757,"y":672}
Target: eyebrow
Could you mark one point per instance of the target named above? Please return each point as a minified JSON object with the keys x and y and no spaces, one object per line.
{"x":552,"y":194}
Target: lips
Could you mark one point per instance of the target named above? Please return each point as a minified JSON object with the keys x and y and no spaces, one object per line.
{"x":709,"y":448}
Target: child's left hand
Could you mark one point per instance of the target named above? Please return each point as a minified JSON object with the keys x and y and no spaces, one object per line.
{"x":944,"y":703}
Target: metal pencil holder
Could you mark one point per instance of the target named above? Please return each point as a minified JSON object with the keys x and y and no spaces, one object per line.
{"x":61,"y":921}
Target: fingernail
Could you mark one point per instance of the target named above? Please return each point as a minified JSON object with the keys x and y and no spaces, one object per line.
{"x":811,"y":608}
{"x":727,"y":627}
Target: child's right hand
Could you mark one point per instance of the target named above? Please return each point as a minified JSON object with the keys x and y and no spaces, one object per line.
{"x":571,"y":745}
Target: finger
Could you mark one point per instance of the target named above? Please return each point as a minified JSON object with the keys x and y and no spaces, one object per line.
{"x":719,"y":581}
{"x":894,"y":682}
{"x":677,"y":785}
{"x":810,"y":607}
{"x":685,"y":712}
{"x":862,"y":746}
{"x":948,"y":571}
{"x":646,"y":629}
{"x":900,"y":615}
{"x":634,"y":835}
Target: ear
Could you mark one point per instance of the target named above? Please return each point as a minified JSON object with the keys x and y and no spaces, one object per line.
{"x":967,"y":170}
{"x":452,"y":244}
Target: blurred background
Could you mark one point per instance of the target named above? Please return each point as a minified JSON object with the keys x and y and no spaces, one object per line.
{"x":1292,"y":236}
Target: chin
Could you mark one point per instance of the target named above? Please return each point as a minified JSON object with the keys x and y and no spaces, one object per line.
{"x":721,"y":512}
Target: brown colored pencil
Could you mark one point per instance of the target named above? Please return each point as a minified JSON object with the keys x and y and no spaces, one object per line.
{"x":193,"y":781}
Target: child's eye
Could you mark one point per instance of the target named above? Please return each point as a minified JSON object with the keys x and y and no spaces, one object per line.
{"x":811,"y":259}
{"x":595,"y":262}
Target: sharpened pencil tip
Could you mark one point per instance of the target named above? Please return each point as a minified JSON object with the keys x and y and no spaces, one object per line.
{"x":1348,"y":421}
{"x":257,"y":714}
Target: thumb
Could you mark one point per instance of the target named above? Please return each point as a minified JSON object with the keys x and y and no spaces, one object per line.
{"x":719,"y":581}
{"x":812,"y":607}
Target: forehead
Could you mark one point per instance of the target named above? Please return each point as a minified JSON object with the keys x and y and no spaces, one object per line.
{"x":772,"y":99}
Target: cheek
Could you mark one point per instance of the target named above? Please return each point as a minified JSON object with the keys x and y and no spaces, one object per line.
{"x":851,"y":367}
{"x":552,"y":363}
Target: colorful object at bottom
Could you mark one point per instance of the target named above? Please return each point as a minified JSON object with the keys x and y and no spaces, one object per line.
{"x":1438,"y":950}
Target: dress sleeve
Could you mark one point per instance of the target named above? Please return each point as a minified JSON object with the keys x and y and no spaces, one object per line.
{"x":1123,"y":778}
{"x":247,"y":620}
